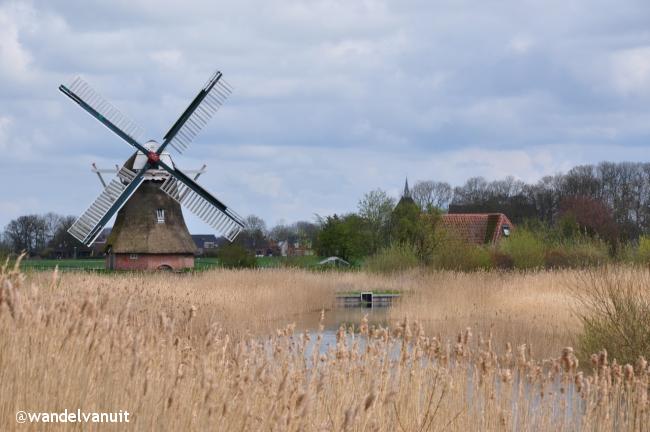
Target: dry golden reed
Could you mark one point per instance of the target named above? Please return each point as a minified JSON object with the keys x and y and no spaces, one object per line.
{"x":187,"y":353}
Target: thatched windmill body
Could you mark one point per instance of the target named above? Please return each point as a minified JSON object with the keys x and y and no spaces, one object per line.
{"x":148,"y":190}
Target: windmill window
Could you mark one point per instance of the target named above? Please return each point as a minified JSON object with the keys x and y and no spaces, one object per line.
{"x":133,"y":256}
{"x":160,"y":216}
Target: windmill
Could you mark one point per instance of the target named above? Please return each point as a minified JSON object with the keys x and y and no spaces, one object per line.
{"x":148,"y":189}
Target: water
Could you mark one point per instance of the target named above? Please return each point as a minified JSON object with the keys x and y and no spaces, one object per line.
{"x":566,"y":407}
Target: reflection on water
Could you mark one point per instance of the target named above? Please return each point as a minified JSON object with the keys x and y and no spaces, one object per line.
{"x":350,"y":317}
{"x":346,"y":316}
{"x":562,"y":397}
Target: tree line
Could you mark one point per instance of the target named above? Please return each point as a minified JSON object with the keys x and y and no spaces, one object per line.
{"x":610,"y":200}
{"x":622,"y":190}
{"x":40,"y":235}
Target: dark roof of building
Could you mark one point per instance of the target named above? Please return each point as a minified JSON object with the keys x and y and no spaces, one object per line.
{"x":478,"y":228}
{"x":103,"y":236}
{"x":200,"y":239}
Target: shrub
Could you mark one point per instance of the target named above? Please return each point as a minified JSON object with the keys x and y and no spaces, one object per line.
{"x":235,"y":256}
{"x":525,"y":247}
{"x":502,"y":260}
{"x":613,"y":305}
{"x":588,"y":252}
{"x":557,"y":258}
{"x":592,"y":216}
{"x":642,"y":255}
{"x":626,"y":253}
{"x":577,"y":254}
{"x":394,"y":258}
{"x":453,"y":253}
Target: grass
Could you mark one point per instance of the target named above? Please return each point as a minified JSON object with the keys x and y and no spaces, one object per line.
{"x":201,"y":263}
{"x":295,"y":261}
{"x":63,"y":264}
{"x":212,"y":351}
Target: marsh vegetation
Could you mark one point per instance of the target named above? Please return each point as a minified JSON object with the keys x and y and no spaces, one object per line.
{"x":247,"y":350}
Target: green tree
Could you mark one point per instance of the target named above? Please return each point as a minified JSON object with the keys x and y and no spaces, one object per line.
{"x":376,"y":208}
{"x":410,"y":226}
{"x":233,"y":255}
{"x":344,"y":237}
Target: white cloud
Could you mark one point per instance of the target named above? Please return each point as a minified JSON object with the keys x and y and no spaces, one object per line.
{"x":520,"y":44}
{"x":5,"y":124}
{"x":167,"y":58}
{"x":631,"y":70}
{"x":15,"y":59}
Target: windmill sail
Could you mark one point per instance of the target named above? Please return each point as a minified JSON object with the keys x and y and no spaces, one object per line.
{"x":197,"y":114}
{"x":209,"y":209}
{"x":117,"y":192}
{"x":91,"y":101}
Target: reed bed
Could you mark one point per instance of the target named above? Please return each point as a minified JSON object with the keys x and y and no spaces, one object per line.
{"x":166,"y":349}
{"x":533,"y":307}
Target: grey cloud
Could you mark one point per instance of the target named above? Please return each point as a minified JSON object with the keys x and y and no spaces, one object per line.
{"x":333,"y":98}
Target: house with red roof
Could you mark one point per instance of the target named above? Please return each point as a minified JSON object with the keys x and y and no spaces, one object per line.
{"x":477,"y":228}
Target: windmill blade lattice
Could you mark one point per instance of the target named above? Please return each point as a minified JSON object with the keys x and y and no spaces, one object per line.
{"x":90,"y":223}
{"x":198,"y":113}
{"x":221,"y":218}
{"x":87,"y":94}
{"x":177,"y":185}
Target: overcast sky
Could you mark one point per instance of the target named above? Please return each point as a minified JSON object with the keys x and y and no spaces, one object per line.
{"x":332,"y":98}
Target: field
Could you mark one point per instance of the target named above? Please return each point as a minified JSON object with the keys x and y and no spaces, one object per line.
{"x":247,"y":350}
{"x":201,"y":263}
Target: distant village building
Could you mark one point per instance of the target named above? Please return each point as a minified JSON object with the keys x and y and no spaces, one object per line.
{"x":288,"y":248}
{"x":205,"y":243}
{"x":479,"y":228}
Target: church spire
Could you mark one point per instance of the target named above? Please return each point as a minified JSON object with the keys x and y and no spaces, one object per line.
{"x":407,"y":192}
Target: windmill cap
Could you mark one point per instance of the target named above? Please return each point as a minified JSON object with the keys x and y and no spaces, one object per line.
{"x":140,"y":159}
{"x":151,"y":145}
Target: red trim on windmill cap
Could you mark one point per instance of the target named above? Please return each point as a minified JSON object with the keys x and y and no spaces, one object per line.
{"x":153,"y":157}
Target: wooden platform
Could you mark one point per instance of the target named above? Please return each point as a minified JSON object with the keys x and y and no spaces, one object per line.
{"x":365,"y":299}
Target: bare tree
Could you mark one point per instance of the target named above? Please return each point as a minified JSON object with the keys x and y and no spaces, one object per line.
{"x":307,"y":232}
{"x":254,"y":235}
{"x":505,"y":188}
{"x":27,"y":233}
{"x":282,"y":232}
{"x":430,"y":194}
{"x":254,"y":223}
{"x":474,"y":190}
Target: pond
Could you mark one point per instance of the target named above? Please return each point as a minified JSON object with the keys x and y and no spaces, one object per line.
{"x":562,"y":399}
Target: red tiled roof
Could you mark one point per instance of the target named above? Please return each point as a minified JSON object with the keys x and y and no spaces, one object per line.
{"x":474,"y":228}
